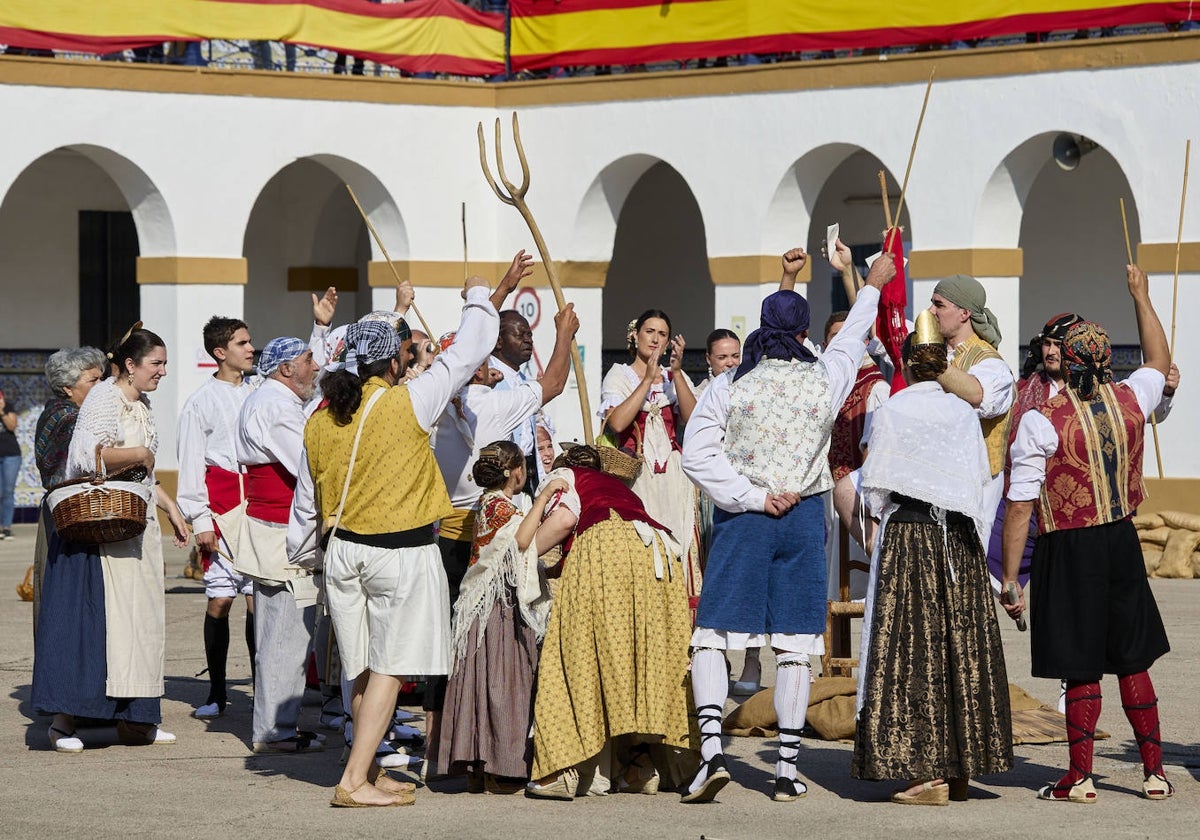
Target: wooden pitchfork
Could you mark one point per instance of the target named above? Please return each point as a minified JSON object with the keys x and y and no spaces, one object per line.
{"x":515,"y":197}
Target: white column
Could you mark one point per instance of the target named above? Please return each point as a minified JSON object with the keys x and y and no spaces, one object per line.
{"x":178,"y":314}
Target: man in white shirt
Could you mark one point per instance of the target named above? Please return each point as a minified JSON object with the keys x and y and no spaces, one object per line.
{"x":977,"y":373}
{"x":765,"y":464}
{"x":210,"y":484}
{"x":1078,"y":457}
{"x":269,"y":442}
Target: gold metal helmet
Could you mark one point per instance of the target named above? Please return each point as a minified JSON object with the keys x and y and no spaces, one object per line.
{"x":926,"y":329}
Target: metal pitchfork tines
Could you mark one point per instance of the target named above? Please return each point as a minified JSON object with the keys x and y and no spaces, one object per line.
{"x":515,"y":197}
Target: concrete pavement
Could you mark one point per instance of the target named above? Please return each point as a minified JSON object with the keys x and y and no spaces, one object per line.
{"x":209,"y":784}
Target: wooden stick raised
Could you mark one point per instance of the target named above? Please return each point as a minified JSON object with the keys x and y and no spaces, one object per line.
{"x":1153,"y":421}
{"x":912,"y":153}
{"x":887,"y":207}
{"x":514,"y":196}
{"x":1187,"y":157}
{"x":383,"y":248}
{"x":466,"y":265}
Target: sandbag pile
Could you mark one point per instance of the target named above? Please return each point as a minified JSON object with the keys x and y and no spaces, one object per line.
{"x":1169,"y":541}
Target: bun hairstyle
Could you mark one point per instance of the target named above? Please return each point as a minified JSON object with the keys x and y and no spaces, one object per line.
{"x":134,"y":345}
{"x":718,"y":335}
{"x":636,"y":325}
{"x":925,"y":362}
{"x":496,"y":463}
{"x":578,"y":456}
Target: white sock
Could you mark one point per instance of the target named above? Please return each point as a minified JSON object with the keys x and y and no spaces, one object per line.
{"x":792,"y":683}
{"x":710,"y":687}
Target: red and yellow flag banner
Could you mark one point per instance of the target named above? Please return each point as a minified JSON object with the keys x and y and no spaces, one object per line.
{"x":550,"y":33}
{"x":445,"y":36}
{"x":439,"y":36}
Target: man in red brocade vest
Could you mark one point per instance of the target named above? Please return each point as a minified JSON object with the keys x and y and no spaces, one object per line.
{"x":269,"y":442}
{"x":1079,"y":456}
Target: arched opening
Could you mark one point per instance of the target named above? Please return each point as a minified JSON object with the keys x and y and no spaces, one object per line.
{"x":659,"y":258}
{"x":304,"y":234}
{"x":1068,"y":226}
{"x":834,"y":184}
{"x":72,"y":225}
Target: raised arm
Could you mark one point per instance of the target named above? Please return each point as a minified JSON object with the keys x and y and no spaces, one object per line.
{"x":1156,"y":353}
{"x":793,"y":262}
{"x":554,"y":379}
{"x":521,"y":267}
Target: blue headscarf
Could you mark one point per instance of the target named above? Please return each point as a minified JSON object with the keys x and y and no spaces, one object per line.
{"x":278,"y":351}
{"x":784,"y":314}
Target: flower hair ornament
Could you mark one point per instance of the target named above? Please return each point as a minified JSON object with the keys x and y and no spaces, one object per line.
{"x":631,"y":333}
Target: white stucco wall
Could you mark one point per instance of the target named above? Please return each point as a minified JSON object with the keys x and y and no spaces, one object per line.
{"x":192,"y":167}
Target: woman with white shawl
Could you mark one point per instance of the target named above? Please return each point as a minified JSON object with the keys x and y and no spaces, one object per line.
{"x":499,"y":619}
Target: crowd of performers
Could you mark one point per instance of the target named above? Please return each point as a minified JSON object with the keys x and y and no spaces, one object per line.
{"x":395,"y":501}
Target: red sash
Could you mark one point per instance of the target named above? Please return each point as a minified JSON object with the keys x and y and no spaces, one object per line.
{"x":600,"y":495}
{"x":269,"y":492}
{"x":670,"y":415}
{"x":224,"y":494}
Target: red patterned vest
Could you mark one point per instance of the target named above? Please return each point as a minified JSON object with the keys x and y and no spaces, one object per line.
{"x":845,"y":454}
{"x":1095,"y":475}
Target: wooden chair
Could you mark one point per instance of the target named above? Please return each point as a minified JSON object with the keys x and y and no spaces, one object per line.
{"x":837,"y":661}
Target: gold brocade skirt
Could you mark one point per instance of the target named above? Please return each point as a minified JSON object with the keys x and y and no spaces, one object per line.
{"x":615,"y":656}
{"x":936,"y":694}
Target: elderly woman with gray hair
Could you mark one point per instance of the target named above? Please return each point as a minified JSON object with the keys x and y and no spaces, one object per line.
{"x":71,"y":373}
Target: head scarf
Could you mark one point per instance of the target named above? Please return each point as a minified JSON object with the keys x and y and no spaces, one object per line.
{"x":366,"y":342}
{"x":967,"y":293}
{"x":278,"y":351}
{"x":393,"y":319}
{"x":1088,"y":355}
{"x":784,"y":314}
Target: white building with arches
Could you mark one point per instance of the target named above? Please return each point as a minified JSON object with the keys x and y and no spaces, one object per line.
{"x":676,"y":191}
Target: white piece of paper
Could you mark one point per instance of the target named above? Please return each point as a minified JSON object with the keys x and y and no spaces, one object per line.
{"x":871,"y":260}
{"x":831,"y":238}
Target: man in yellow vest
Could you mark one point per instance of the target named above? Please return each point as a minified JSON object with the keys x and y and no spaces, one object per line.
{"x":976,"y":372}
{"x":370,"y":480}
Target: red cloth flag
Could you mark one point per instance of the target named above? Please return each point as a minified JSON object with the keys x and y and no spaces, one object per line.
{"x":893,"y":300}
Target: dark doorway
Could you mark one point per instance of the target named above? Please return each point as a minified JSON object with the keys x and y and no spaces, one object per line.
{"x":109,"y":299}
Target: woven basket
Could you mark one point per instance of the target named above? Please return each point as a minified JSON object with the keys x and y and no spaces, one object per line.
{"x":616,"y":461}
{"x":101,"y":508}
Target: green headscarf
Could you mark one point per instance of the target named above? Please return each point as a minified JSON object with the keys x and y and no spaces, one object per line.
{"x":967,"y":293}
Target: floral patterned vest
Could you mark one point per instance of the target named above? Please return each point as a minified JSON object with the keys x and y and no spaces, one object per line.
{"x":779,"y":426}
{"x":1095,"y":476}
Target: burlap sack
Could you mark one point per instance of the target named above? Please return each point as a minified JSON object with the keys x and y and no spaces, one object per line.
{"x":1196,"y":564}
{"x":1177,"y":555}
{"x":1147,"y":522}
{"x":1157,"y":536}
{"x":1179,"y":519}
{"x":1152,"y":557}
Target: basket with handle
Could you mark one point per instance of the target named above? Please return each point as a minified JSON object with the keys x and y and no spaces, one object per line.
{"x":616,"y":461}
{"x":101,"y":508}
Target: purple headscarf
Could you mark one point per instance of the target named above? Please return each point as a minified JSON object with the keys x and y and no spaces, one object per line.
{"x":784,"y":314}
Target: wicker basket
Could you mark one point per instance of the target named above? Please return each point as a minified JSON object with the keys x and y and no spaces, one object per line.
{"x":101,"y":508}
{"x":616,"y":461}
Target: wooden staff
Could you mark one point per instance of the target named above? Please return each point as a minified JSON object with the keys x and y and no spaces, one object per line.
{"x":1153,"y":421}
{"x":391,"y":265}
{"x":1187,"y":157}
{"x":887,"y":207}
{"x":912,"y":153}
{"x":515,"y":197}
{"x":466,"y":265}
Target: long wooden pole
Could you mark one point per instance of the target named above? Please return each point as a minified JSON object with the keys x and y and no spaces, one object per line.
{"x":466,"y":264}
{"x":912,"y":153}
{"x":887,"y":207}
{"x":516,"y":198}
{"x":391,"y":265}
{"x":1153,"y":420}
{"x":1187,"y":157}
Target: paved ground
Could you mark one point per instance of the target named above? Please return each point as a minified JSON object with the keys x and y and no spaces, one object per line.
{"x":210,"y":785}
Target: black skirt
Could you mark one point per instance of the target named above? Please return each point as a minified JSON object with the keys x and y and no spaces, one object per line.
{"x":1091,"y":608}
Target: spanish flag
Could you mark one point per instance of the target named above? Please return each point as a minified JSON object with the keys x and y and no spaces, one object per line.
{"x":440,"y":36}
